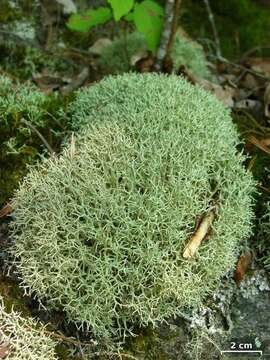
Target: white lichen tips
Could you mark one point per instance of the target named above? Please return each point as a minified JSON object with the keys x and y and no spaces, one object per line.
{"x":23,"y":338}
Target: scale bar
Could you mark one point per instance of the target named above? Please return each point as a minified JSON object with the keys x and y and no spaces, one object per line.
{"x":242,"y":351}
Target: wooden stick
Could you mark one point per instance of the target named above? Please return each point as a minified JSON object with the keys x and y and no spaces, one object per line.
{"x":197,"y":238}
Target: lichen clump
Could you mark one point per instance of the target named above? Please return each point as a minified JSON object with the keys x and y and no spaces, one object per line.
{"x":101,"y":229}
{"x":186,"y":53}
{"x":23,"y":338}
{"x":118,"y":56}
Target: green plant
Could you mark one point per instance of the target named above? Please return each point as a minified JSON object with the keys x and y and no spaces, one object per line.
{"x":117,"y":57}
{"x":146,"y":15}
{"x":23,"y":338}
{"x":21,"y":105}
{"x":101,"y":229}
{"x":185,"y":53}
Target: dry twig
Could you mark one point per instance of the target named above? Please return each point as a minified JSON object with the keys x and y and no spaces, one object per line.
{"x":200,"y":234}
{"x":42,"y":138}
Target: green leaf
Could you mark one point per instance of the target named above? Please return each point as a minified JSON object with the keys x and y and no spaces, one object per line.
{"x":121,"y":7}
{"x":148,"y":18}
{"x":86,"y":20}
{"x":129,"y":16}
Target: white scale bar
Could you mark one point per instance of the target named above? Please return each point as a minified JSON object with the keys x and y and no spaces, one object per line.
{"x":242,"y":351}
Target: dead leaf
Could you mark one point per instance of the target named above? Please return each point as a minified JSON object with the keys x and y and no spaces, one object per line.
{"x":47,"y":83}
{"x":224,"y":94}
{"x":242,"y":267}
{"x":68,"y":6}
{"x":200,"y":234}
{"x":142,"y":54}
{"x":259,"y":144}
{"x":6,"y":210}
{"x":76,"y":82}
{"x":99,"y":45}
{"x":250,"y":82}
{"x":146,"y":64}
{"x":4,"y":350}
{"x":261,"y":65}
{"x":266,"y":141}
{"x":248,"y":104}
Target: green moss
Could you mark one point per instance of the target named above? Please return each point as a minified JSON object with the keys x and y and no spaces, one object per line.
{"x":100,"y":231}
{"x":19,"y":143}
{"x":116,"y":57}
{"x":12,"y":297}
{"x":24,"y":61}
{"x":8,"y":13}
{"x":146,"y":345}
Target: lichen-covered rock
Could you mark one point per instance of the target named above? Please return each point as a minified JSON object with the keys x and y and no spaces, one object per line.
{"x":23,"y":338}
{"x":101,"y":229}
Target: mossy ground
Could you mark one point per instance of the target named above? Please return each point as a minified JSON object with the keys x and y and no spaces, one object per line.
{"x":20,"y":146}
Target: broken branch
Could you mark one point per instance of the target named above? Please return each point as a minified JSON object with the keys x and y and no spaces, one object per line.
{"x":197,"y":238}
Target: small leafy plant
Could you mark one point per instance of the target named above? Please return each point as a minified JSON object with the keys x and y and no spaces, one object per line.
{"x":147,"y":17}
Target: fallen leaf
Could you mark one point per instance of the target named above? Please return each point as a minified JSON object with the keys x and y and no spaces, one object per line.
{"x":4,"y":350}
{"x":6,"y":210}
{"x":259,"y":144}
{"x":146,"y":64}
{"x":242,"y":267}
{"x":261,"y":65}
{"x":250,"y":82}
{"x":224,"y":94}
{"x":76,"y":82}
{"x":248,"y":104}
{"x":68,"y":6}
{"x":200,"y":234}
{"x":47,"y":83}
{"x":99,"y":45}
{"x":142,"y":54}
{"x":266,"y":141}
